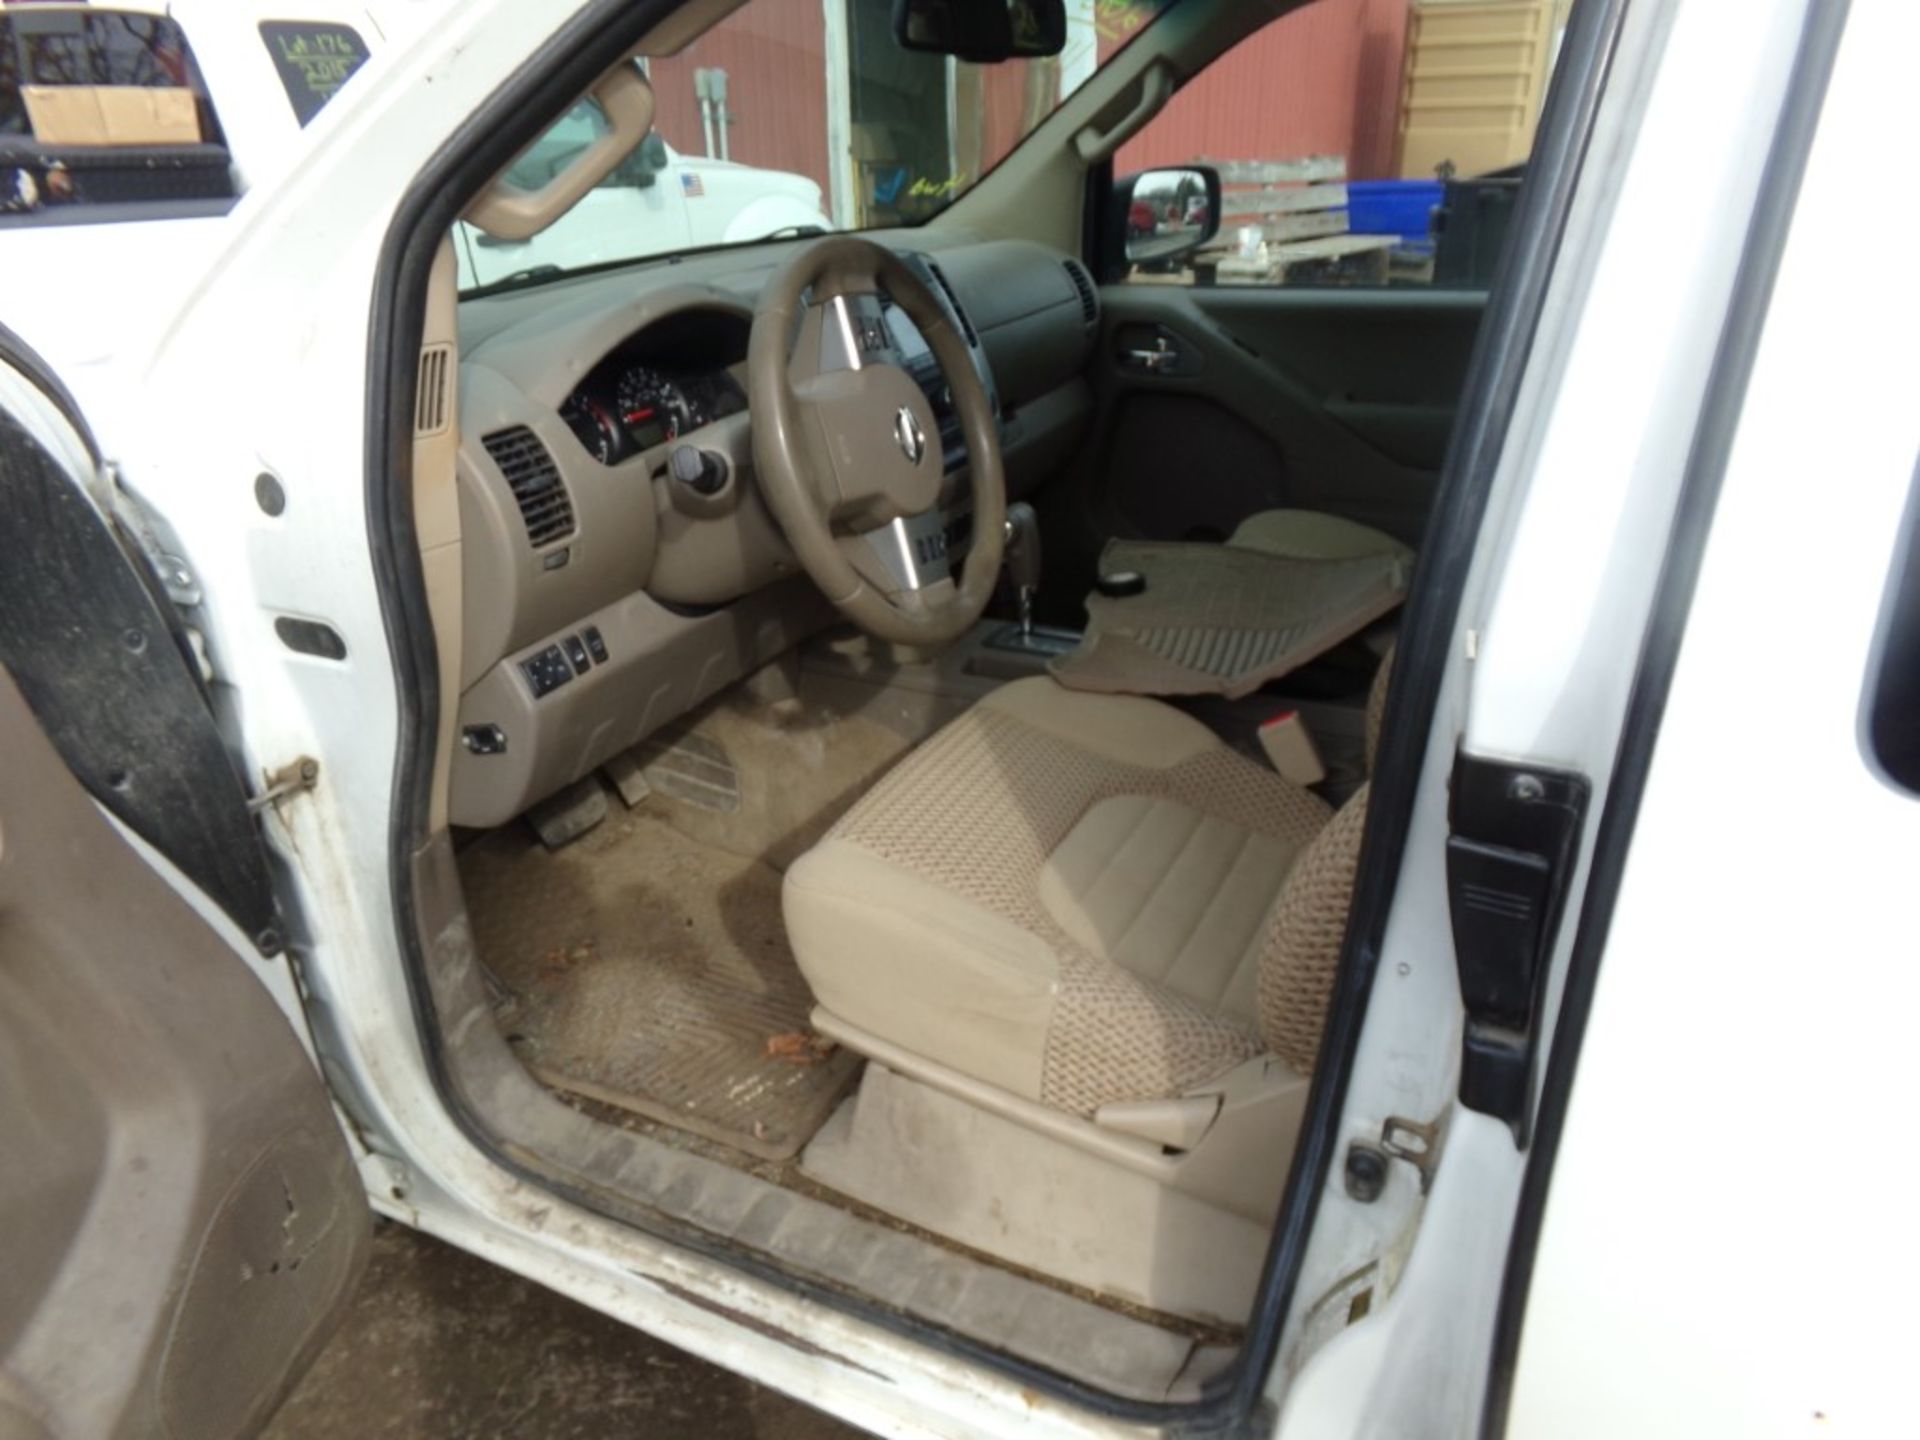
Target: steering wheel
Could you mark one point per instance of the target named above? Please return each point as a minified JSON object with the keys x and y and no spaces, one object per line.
{"x":851,"y":461}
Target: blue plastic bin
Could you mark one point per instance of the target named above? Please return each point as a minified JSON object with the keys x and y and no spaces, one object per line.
{"x":1393,"y":207}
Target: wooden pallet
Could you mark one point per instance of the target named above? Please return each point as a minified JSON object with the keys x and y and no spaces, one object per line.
{"x":1323,"y":260}
{"x":1286,"y":200}
{"x":1299,"y":206}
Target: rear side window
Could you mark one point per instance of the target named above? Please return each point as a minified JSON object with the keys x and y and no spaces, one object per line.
{"x":314,"y":59}
{"x":103,"y":107}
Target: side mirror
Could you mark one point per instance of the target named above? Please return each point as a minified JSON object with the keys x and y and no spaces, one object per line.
{"x":982,"y":31}
{"x":1163,"y":216}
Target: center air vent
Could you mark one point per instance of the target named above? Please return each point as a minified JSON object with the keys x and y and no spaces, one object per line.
{"x":966,"y":325}
{"x":1082,"y":282}
{"x":535,"y":481}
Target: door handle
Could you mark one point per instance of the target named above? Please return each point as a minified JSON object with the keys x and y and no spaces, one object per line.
{"x":1158,"y":360}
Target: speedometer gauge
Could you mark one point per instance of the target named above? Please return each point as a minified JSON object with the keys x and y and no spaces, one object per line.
{"x":652,"y":408}
{"x":594,"y":427}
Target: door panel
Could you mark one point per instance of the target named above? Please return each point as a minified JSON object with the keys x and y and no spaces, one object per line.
{"x":182,"y":1222}
{"x":1218,"y":401}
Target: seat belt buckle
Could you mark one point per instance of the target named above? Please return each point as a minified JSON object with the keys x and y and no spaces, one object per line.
{"x":1290,"y":749}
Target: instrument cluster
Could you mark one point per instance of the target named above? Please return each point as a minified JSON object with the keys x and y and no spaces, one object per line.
{"x":636,"y":407}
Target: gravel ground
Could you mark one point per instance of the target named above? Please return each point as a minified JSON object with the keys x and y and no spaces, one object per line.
{"x":442,"y":1346}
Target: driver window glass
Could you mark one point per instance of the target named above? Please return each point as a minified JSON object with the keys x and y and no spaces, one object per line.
{"x":1359,"y":143}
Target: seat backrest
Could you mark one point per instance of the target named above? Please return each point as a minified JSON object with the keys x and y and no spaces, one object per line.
{"x":1308,"y":923}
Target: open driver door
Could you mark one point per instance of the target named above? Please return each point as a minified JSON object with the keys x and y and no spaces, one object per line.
{"x":181,"y":1223}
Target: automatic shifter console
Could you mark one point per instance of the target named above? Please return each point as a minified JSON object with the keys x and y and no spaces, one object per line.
{"x":1023,"y":570}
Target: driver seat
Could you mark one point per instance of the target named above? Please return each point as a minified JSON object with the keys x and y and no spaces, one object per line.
{"x":1087,"y":901}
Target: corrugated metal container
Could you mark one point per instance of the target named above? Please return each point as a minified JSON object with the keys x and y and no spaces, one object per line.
{"x":1475,"y":76}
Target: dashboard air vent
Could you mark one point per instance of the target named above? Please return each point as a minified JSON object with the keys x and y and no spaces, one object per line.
{"x":430,"y":406}
{"x":966,"y":325}
{"x":1089,"y":298}
{"x":535,"y":481}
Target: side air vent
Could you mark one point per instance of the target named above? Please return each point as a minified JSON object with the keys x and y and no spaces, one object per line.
{"x":535,"y":481}
{"x":430,"y":407}
{"x":1089,"y":297}
{"x":966,"y":325}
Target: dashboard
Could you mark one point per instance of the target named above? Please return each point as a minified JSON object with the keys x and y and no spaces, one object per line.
{"x":607,"y":586}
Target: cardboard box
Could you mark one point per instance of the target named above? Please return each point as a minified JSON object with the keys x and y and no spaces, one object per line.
{"x":112,"y":115}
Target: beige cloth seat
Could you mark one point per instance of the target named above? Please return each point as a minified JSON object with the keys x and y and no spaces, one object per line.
{"x":1312,"y":535}
{"x":1081,"y":899}
{"x":1226,"y":619}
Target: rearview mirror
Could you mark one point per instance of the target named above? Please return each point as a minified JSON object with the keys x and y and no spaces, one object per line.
{"x":983,"y":31}
{"x":1166,"y":215}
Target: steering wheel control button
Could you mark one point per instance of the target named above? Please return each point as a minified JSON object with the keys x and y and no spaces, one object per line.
{"x":701,"y":471}
{"x":1120,"y":584}
{"x":577,"y":653}
{"x":596,"y":646}
{"x":547,"y":671}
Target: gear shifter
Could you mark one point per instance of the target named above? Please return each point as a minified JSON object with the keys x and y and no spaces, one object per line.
{"x":1025,"y":647}
{"x":1023,"y":559}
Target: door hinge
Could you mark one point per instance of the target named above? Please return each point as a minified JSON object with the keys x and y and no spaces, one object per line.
{"x":1510,"y":858}
{"x":302,"y":774}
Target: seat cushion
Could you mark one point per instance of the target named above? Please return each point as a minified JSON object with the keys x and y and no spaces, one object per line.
{"x":1312,"y":535}
{"x":1175,"y":896}
{"x":1036,"y":898}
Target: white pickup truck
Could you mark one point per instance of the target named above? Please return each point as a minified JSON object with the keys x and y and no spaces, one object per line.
{"x":101,"y":242}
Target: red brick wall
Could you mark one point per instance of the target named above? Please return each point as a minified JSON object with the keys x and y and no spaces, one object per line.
{"x":775,"y":58}
{"x":1321,"y":81}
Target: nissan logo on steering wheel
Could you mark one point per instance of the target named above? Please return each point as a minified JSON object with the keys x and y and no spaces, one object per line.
{"x":906,"y":430}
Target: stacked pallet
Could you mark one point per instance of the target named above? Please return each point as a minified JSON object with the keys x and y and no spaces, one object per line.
{"x":1283,"y":219}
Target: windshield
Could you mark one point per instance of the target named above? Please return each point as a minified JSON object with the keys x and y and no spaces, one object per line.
{"x":773,"y":124}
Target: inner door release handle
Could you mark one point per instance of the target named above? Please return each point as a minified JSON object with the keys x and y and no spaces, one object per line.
{"x":1161,"y":357}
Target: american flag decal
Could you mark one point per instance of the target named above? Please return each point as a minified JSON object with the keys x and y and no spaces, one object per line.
{"x":691,"y":185}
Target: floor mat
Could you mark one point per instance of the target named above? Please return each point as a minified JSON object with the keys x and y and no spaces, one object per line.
{"x":763,"y":781}
{"x":647,"y":970}
{"x":1221,"y":620}
{"x":694,"y":769}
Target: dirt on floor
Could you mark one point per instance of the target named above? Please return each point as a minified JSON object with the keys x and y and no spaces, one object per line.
{"x":440,"y":1345}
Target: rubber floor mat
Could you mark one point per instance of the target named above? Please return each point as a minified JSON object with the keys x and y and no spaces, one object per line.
{"x":1222,"y":620}
{"x":694,"y":769}
{"x":646,"y":970}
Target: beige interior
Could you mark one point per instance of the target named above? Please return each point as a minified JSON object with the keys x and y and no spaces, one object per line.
{"x":1227,"y":619}
{"x":940,"y":937}
{"x":642,"y":551}
{"x":1313,"y":535}
{"x":1077,"y":945}
{"x":1091,"y":946}
{"x":436,"y":502}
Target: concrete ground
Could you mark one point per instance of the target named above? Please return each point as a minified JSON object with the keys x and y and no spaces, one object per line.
{"x":440,"y":1345}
